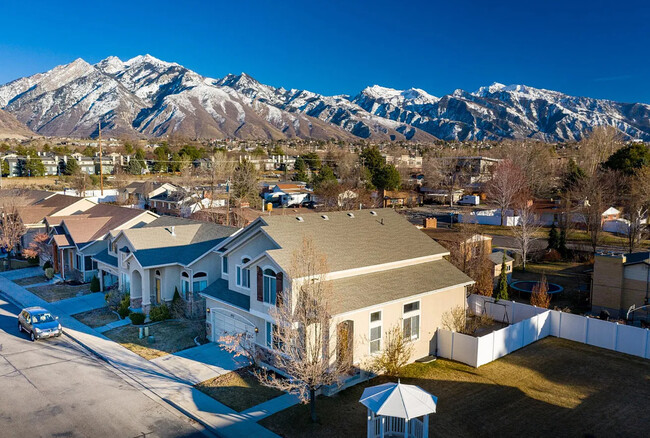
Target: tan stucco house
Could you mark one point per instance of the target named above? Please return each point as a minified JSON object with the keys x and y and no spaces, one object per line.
{"x":383,"y":271}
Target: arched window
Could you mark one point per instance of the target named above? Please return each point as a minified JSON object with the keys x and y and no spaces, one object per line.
{"x":270,"y":287}
{"x":157,"y":272}
{"x":244,"y":275}
{"x":185,"y":284}
{"x":199,"y":281}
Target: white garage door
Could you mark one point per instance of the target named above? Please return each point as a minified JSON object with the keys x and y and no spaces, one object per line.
{"x":228,"y":323}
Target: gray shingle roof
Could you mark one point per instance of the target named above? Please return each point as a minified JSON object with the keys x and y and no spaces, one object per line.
{"x":362,"y":291}
{"x":497,"y":257}
{"x":219,"y":289}
{"x":155,"y":246}
{"x":349,"y":242}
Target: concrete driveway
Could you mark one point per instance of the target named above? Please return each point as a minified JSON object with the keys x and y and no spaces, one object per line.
{"x":199,"y":364}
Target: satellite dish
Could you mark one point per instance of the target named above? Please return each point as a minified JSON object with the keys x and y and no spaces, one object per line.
{"x":630,"y":310}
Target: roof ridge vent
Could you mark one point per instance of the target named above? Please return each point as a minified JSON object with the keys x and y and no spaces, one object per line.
{"x":351,"y":215}
{"x":325,"y":217}
{"x":373,"y":212}
{"x":299,"y":219}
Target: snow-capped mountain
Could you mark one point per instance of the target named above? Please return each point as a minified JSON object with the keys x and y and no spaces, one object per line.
{"x":145,"y":96}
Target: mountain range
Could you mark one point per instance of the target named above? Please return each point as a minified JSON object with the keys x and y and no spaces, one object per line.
{"x":147,"y":97}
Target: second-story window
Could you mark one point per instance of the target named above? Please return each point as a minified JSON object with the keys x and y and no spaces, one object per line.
{"x":243,"y":275}
{"x":224,"y":264}
{"x":200,"y":281}
{"x":270,"y":285}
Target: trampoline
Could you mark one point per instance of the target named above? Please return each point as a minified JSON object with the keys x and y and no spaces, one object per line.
{"x":527,"y":286}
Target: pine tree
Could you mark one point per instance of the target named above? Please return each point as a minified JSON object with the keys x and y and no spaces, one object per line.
{"x":561,"y":247}
{"x":71,"y":167}
{"x":5,"y":168}
{"x":553,"y":238}
{"x":502,"y":288}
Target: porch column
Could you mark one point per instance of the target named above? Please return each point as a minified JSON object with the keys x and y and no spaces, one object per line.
{"x":146,"y":292}
{"x":425,"y":426}
{"x":100,"y":274}
{"x":406,"y":428}
{"x":370,"y":432}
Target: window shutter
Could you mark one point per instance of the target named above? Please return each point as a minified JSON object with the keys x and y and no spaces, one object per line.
{"x":278,"y":289}
{"x":260,"y":284}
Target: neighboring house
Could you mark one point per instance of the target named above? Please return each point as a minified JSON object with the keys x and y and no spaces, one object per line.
{"x":140,"y":192}
{"x":620,"y":281}
{"x":288,"y":194}
{"x":400,"y":198}
{"x":441,"y":196}
{"x":383,"y":272}
{"x":413,"y":162}
{"x":75,"y":239}
{"x":463,"y":247}
{"x":497,"y":260}
{"x":33,"y":215}
{"x":166,"y":255}
{"x":178,"y":204}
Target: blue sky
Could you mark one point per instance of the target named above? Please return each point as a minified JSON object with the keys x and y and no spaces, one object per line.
{"x":586,"y":48}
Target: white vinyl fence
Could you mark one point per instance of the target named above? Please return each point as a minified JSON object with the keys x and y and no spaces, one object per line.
{"x":529,"y":324}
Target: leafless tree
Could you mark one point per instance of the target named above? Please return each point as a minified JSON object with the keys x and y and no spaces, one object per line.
{"x":444,"y":171}
{"x":507,"y":183}
{"x":222,"y":169}
{"x":636,"y":207}
{"x":525,"y":230}
{"x":245,"y":183}
{"x":80,"y":183}
{"x":395,"y":353}
{"x":602,"y":142}
{"x":303,"y":334}
{"x":593,"y":195}
{"x":538,"y":162}
{"x":11,"y":228}
{"x":39,"y":247}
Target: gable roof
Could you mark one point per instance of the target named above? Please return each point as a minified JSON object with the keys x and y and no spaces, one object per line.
{"x":350,"y":239}
{"x":155,"y":245}
{"x":23,"y":197}
{"x":35,"y":213}
{"x":454,"y":236}
{"x":637,"y":257}
{"x":497,"y":257}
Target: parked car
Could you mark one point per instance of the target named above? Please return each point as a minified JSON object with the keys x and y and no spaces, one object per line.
{"x":39,"y":323}
{"x":470,"y":200}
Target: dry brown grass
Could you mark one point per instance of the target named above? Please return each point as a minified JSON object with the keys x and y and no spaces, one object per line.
{"x":238,"y":390}
{"x":57,"y":292}
{"x":97,"y":317}
{"x":169,"y":337}
{"x":30,"y":280}
{"x":553,"y":387}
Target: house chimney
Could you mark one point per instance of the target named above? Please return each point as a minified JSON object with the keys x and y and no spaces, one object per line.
{"x":430,"y":222}
{"x":173,"y":230}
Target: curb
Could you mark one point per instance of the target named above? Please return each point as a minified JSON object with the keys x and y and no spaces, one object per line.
{"x":166,"y":403}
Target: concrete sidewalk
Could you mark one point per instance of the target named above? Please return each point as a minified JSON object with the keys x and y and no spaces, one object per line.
{"x":270,"y":407}
{"x":72,"y":306}
{"x":112,"y":325}
{"x":17,"y":274}
{"x":179,"y":393}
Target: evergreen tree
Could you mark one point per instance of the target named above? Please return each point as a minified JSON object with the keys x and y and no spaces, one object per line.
{"x":553,"y":238}
{"x":134,"y":167}
{"x":387,"y":177}
{"x":5,"y":168}
{"x":34,"y":167}
{"x":629,"y":159}
{"x":573,"y":175}
{"x":71,"y":167}
{"x":301,"y":170}
{"x":312,"y":160}
{"x":561,"y":246}
{"x":326,"y":174}
{"x":502,"y":287}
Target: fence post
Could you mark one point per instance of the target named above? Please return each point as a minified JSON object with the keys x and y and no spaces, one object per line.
{"x":559,"y":327}
{"x":451,"y":352}
{"x":616,"y":337}
{"x":492,"y":347}
{"x":513,"y":312}
{"x":645,"y":344}
{"x":536,"y":325}
{"x":587,"y":330}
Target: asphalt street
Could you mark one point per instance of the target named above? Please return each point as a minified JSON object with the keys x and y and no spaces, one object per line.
{"x":55,"y":388}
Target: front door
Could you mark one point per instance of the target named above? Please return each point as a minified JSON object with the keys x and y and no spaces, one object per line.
{"x":158,"y":298}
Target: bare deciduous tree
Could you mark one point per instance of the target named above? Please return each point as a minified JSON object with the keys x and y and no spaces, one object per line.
{"x":79,"y":183}
{"x":303,"y":337}
{"x":444,"y":172}
{"x":395,"y":353}
{"x":593,"y":195}
{"x":39,"y":247}
{"x":11,"y":228}
{"x":525,"y":230}
{"x":602,"y":142}
{"x":636,"y":208}
{"x":506,"y":185}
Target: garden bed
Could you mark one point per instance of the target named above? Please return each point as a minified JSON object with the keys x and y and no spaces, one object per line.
{"x":238,"y":390}
{"x":97,"y":317}
{"x":57,"y":292}
{"x":168,"y":337}
{"x":30,"y":280}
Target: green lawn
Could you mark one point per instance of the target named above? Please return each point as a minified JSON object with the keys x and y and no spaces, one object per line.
{"x":169,"y":337}
{"x":57,"y":292}
{"x":97,"y":317}
{"x":238,"y":390}
{"x":553,"y":387}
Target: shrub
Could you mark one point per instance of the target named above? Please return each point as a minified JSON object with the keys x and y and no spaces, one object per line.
{"x":94,"y":284}
{"x":159,"y":313}
{"x":47,"y":265}
{"x":178,"y":306}
{"x":49,"y":273}
{"x":32,"y":260}
{"x":395,"y":354}
{"x":123,"y":309}
{"x":539,"y":296}
{"x":137,"y":318}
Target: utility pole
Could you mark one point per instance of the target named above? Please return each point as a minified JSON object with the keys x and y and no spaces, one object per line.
{"x":101,"y":168}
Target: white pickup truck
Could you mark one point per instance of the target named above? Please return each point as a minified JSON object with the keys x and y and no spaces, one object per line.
{"x":470,"y":200}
